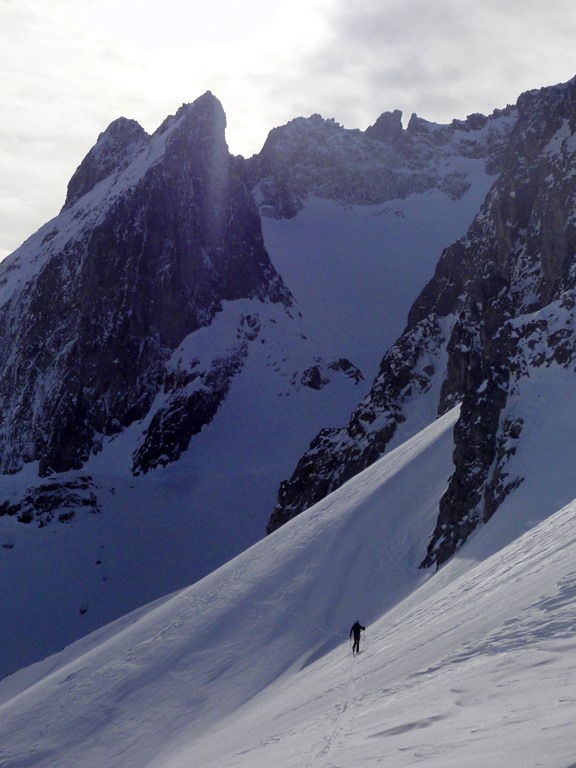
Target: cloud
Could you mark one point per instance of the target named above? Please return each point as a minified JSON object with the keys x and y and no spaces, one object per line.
{"x":442,"y":59}
{"x":59,"y":90}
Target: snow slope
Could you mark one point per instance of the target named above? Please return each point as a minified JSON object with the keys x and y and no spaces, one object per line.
{"x":251,"y":666}
{"x":162,"y":531}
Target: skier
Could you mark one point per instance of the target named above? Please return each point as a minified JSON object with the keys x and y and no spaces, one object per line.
{"x":356,"y":627}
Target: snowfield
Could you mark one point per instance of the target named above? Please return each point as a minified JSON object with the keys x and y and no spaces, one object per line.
{"x":252,"y":667}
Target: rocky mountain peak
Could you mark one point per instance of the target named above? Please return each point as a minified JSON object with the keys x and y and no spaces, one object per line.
{"x":114,"y":150}
{"x":131,"y":271}
{"x":203,"y":119}
{"x":387,"y":128}
{"x":156,"y":375}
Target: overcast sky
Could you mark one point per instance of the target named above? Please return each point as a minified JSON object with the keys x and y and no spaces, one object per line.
{"x":71,"y":67}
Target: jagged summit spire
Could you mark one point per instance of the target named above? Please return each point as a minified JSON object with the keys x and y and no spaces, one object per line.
{"x":204,"y":111}
{"x":114,"y":150}
{"x":387,"y":128}
{"x":124,"y":139}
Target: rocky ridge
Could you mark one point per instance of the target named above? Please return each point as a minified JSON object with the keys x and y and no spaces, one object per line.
{"x":157,"y":376}
{"x":317,"y":157}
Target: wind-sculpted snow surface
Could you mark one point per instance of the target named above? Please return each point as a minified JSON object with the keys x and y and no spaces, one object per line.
{"x":252,"y":665}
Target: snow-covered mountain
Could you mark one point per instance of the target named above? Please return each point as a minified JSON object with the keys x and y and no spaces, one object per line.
{"x":154,"y":236}
{"x":494,"y":323}
{"x":251,"y":666}
{"x":174,"y":339}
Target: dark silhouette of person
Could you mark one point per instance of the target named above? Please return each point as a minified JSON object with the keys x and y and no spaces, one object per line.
{"x":356,"y":627}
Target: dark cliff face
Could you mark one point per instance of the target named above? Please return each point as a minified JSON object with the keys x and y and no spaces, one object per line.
{"x":473,"y":334}
{"x":519,"y":260}
{"x":174,"y":232}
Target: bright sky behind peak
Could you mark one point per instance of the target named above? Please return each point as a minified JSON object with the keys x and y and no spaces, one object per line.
{"x":70,"y":67}
{"x":174,"y":23}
